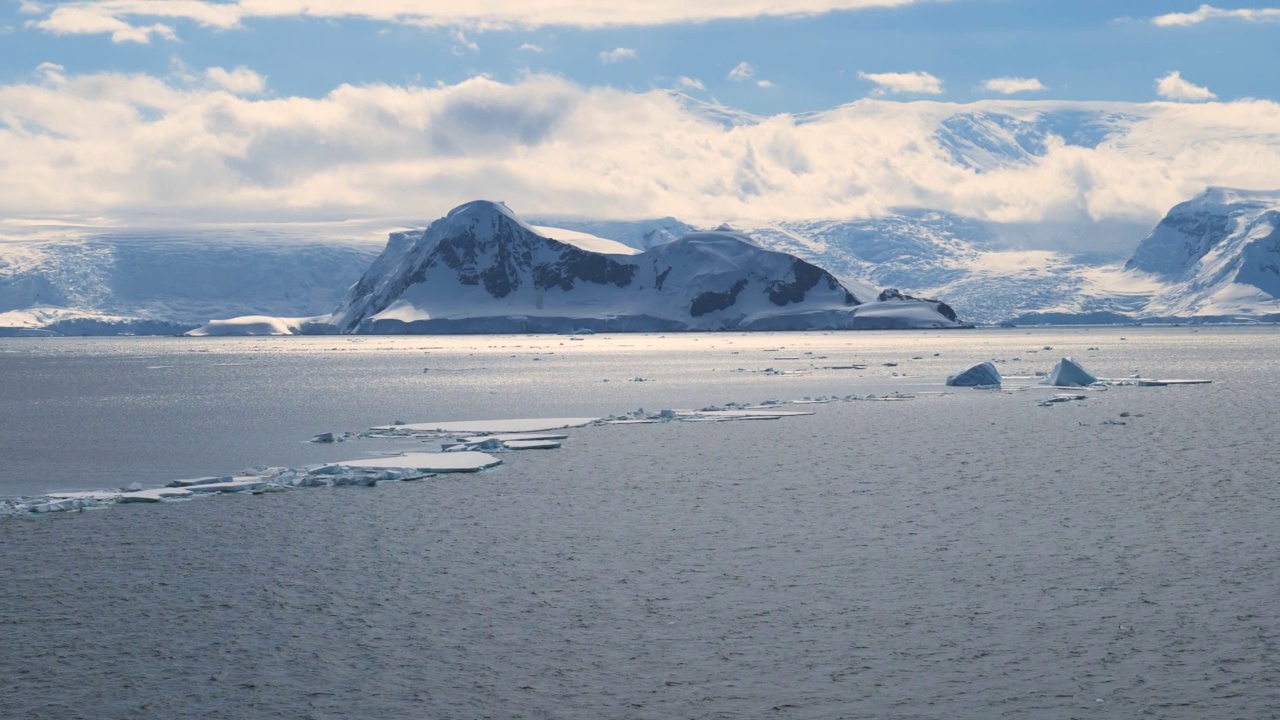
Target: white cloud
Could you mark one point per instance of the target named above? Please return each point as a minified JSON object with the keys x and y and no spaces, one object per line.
{"x":122,"y":17}
{"x":461,"y":43}
{"x":1209,"y":12}
{"x":617,"y":55}
{"x":765,"y":84}
{"x":129,"y":145}
{"x":741,"y":72}
{"x":241,"y":80}
{"x":530,"y":47}
{"x":688,"y":83}
{"x":918,"y":83}
{"x":1011,"y":85}
{"x":1173,"y":87}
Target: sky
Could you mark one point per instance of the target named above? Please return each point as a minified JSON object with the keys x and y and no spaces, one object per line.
{"x":275,"y":109}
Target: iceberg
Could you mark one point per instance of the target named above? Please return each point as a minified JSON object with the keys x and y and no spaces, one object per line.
{"x":1068,"y":373}
{"x":64,"y":505}
{"x":982,"y":374}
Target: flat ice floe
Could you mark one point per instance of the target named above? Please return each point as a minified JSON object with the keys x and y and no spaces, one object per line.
{"x":523,"y":425}
{"x":466,"y":461}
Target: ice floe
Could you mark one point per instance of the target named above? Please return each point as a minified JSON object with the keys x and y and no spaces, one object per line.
{"x":523,"y":425}
{"x":981,"y":375}
{"x":465,"y":461}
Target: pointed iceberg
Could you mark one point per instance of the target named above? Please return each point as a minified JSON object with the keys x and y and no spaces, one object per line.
{"x":1068,"y":373}
{"x":978,"y":375}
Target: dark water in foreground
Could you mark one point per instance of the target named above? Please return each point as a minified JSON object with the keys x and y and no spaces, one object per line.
{"x":963,"y":556}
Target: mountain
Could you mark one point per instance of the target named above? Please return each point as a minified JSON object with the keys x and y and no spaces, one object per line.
{"x":1217,"y":254}
{"x":482,"y":269}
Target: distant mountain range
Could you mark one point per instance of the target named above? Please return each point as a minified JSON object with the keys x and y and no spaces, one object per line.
{"x":1215,"y":257}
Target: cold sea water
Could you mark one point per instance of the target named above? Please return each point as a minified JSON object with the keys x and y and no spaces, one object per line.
{"x":963,"y":554}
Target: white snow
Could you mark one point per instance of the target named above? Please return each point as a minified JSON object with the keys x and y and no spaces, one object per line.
{"x":248,"y":325}
{"x":531,"y":444}
{"x":585,"y":241}
{"x":467,"y":461}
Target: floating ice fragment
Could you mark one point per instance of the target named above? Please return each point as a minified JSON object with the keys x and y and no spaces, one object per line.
{"x":466,"y":461}
{"x":1068,"y":373}
{"x":980,"y":375}
{"x":64,"y":505}
{"x":327,"y":437}
{"x":134,"y":487}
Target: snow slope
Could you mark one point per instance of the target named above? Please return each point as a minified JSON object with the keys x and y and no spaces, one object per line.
{"x":170,"y":282}
{"x":481,"y":269}
{"x":1217,"y":254}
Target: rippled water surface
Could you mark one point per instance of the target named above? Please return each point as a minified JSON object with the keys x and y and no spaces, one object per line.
{"x":967,"y":555}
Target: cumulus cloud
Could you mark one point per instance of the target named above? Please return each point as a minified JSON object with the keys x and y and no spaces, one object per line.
{"x":1012,"y":85}
{"x":688,"y":83}
{"x":530,"y":47}
{"x":129,"y":18}
{"x":765,"y":84}
{"x":617,"y":55}
{"x":241,"y":80}
{"x":461,"y":43}
{"x":1209,"y":12}
{"x":898,"y":83}
{"x":128,"y":145}
{"x":1173,"y":87}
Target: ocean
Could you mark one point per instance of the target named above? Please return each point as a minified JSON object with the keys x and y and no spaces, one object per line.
{"x":961,"y":554}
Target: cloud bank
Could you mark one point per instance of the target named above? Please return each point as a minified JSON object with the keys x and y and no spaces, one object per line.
{"x":1209,"y":12}
{"x":127,"y":20}
{"x":211,"y":146}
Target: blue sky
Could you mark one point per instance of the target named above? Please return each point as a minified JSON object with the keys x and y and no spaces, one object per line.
{"x":1079,"y":50}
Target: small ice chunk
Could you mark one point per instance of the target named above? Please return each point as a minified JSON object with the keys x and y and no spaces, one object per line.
{"x":466,"y":461}
{"x":134,"y":487}
{"x":96,"y":495}
{"x":326,"y":437}
{"x":1068,"y":373}
{"x":982,"y":374}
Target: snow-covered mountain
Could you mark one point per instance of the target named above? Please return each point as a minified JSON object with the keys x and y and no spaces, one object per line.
{"x":481,"y":269}
{"x":1217,"y":254}
{"x":166,"y":283}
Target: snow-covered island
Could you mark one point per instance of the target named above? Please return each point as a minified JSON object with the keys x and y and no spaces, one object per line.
{"x":480,"y":269}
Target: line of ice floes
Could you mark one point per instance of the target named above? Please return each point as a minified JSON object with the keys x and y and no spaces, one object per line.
{"x":465,"y":446}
